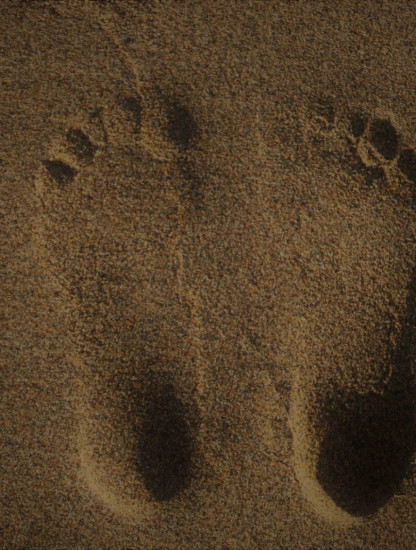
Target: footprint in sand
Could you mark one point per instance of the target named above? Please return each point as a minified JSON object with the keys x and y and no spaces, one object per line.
{"x":353,"y":449}
{"x":113,"y":230}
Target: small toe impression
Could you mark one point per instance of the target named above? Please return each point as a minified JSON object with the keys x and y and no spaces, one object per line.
{"x":384,"y":138}
{"x":367,"y":450}
{"x":165,"y":443}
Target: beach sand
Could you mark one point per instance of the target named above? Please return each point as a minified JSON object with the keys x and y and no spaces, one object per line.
{"x":209,"y":275}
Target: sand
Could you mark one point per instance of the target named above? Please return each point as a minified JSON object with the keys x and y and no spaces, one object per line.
{"x":208,"y":275}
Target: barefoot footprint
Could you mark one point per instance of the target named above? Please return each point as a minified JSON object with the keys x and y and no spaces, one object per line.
{"x":353,"y":448}
{"x":136,"y":338}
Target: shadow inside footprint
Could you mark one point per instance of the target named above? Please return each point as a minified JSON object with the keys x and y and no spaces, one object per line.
{"x":367,"y":450}
{"x":133,"y":106}
{"x":184,"y":133}
{"x":80,"y":144}
{"x":370,"y":440}
{"x":358,"y":123}
{"x":182,"y":128}
{"x":60,"y":172}
{"x":384,"y":138}
{"x":164,"y":443}
{"x":407,"y":164}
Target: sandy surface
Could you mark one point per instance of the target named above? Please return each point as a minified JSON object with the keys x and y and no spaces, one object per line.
{"x":208,"y":278}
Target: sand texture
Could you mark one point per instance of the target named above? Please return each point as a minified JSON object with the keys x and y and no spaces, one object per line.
{"x":208,"y":285}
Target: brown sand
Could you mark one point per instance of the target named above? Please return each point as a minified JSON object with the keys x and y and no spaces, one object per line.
{"x":209,"y":288}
